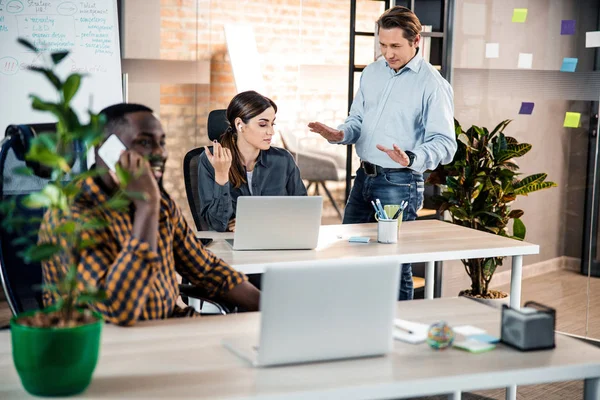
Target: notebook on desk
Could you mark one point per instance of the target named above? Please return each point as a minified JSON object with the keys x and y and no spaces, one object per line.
{"x":325,"y":310}
{"x":277,"y":222}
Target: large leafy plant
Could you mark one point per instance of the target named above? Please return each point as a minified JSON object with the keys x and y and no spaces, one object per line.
{"x":52,"y":155}
{"x":479,"y":187}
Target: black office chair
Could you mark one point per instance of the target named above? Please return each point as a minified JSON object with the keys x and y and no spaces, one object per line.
{"x":216,"y":125}
{"x":21,"y":281}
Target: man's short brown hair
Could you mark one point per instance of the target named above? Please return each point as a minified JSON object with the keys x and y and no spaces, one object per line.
{"x":403,"y":18}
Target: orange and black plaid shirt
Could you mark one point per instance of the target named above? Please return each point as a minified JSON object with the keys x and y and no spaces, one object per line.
{"x":140,"y":284}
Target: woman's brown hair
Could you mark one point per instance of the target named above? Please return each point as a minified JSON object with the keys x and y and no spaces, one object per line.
{"x":403,"y":18}
{"x":245,"y":105}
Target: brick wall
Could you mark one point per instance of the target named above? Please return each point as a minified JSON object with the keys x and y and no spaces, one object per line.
{"x":290,"y":34}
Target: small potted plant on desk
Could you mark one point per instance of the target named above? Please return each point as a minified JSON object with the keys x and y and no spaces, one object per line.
{"x":478,"y":189}
{"x":55,"y":350}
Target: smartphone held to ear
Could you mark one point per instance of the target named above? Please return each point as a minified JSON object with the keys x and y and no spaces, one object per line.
{"x":111,"y":150}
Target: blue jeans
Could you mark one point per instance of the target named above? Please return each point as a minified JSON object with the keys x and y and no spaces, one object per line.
{"x":390,"y":187}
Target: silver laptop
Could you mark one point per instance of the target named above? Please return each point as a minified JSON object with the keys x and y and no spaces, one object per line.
{"x":323,"y":310}
{"x":277,"y":222}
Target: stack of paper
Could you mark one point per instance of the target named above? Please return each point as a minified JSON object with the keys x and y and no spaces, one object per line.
{"x":410,"y":332}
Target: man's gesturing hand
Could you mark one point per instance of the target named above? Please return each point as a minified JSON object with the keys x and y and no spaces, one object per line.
{"x":334,"y":135}
{"x":396,"y":154}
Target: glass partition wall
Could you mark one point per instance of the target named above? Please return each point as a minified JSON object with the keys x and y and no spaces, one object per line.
{"x":534,"y":68}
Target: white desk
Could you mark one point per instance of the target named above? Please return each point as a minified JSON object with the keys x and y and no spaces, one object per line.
{"x":419,"y":241}
{"x":183,"y":358}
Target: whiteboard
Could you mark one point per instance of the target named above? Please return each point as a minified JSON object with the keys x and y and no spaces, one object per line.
{"x":89,"y":29}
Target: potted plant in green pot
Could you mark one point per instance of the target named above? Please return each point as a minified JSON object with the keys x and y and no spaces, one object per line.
{"x":55,"y":350}
{"x":478,"y":189}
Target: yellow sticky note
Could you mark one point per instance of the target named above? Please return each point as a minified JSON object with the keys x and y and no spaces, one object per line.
{"x":572,"y":120}
{"x":519,"y":15}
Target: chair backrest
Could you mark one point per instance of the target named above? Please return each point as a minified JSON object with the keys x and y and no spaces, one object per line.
{"x":215,"y":126}
{"x":20,"y":280}
{"x":190,"y":176}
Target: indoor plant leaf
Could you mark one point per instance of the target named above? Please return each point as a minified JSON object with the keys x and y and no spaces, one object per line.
{"x":50,"y":75}
{"x":71,"y":86}
{"x":59,"y":56}
{"x":27,"y":44}
{"x":534,"y":188}
{"x":519,"y":229}
{"x":40,"y":252}
{"x":23,"y":171}
{"x":481,"y":183}
{"x":531,"y":179}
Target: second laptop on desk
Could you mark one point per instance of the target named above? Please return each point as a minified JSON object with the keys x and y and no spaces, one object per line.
{"x":277,"y":222}
{"x":323,"y":310}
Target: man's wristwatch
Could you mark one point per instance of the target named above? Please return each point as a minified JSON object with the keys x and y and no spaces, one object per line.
{"x":411,"y":157}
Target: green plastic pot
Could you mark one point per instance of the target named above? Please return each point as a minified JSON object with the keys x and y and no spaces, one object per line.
{"x":55,"y":361}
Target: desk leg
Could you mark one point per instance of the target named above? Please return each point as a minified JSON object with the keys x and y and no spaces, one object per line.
{"x":456,"y":396}
{"x":511,"y":392}
{"x":591,"y":389}
{"x":515,"y":282}
{"x":515,"y":302}
{"x":429,"y":279}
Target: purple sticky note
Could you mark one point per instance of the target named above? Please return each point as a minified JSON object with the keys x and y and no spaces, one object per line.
{"x":567,"y":27}
{"x":526,"y":108}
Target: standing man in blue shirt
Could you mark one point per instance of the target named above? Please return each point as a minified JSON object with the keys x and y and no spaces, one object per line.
{"x":402,"y":122}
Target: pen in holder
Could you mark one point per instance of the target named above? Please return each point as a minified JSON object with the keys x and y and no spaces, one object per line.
{"x":387,"y":231}
{"x":530,"y":328}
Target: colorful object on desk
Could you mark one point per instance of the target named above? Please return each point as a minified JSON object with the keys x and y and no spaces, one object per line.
{"x":568,"y":65}
{"x":440,"y":336}
{"x":474,"y":346}
{"x":567,"y":27}
{"x":572,"y":120}
{"x":526,"y":108}
{"x":519,"y":15}
{"x":359,"y":239}
{"x":484,"y":338}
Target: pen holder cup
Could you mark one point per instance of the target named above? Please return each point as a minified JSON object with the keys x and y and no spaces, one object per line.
{"x":387,"y":231}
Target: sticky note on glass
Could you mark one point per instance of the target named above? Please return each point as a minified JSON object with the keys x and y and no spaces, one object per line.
{"x":572,"y":120}
{"x":519,"y":15}
{"x":492,"y":50}
{"x":567,"y":27}
{"x":592,"y":39}
{"x":525,"y":60}
{"x":569,"y":65}
{"x":526,"y":108}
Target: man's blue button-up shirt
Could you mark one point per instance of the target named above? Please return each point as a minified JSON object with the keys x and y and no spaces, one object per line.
{"x":412,"y":108}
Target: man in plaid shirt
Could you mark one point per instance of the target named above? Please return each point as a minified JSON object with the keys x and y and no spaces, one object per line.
{"x":135,"y":259}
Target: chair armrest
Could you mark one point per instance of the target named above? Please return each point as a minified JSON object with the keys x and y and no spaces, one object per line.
{"x":186,"y":290}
